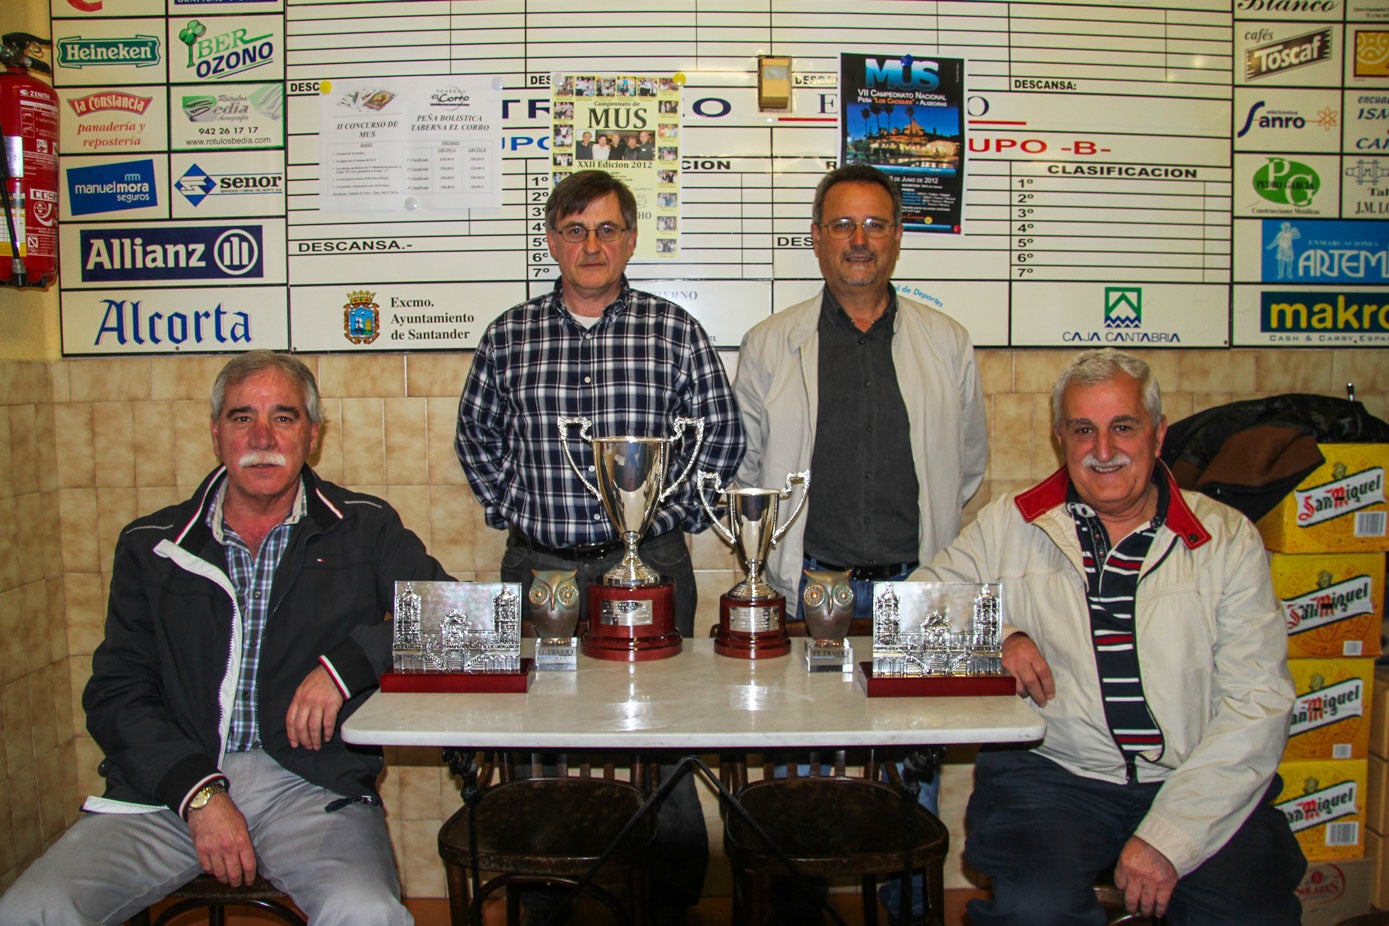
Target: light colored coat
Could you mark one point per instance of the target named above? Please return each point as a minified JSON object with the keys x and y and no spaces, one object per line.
{"x":1212,"y":650}
{"x":777,"y":389}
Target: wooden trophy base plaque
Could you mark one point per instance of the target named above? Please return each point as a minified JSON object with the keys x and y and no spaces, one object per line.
{"x":631,"y":624}
{"x":752,"y":628}
{"x":932,"y":686}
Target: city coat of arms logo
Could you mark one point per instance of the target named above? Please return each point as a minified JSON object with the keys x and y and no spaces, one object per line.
{"x":361,"y":317}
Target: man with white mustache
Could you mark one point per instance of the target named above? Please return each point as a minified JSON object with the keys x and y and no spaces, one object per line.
{"x":243,"y":626}
{"x":1142,"y":624}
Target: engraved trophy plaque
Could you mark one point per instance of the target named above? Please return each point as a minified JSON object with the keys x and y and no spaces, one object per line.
{"x":937,"y":638}
{"x":631,"y":609}
{"x":554,"y":610}
{"x":752,"y":615}
{"x":457,"y":636}
{"x":828,"y":605}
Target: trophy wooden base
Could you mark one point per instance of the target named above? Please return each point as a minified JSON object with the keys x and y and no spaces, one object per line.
{"x":468,"y":682}
{"x":752,"y":628}
{"x":931,"y":686}
{"x":631,"y":624}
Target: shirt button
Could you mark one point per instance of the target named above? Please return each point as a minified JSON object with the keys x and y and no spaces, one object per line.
{"x":588,"y":379}
{"x":597,"y":517}
{"x":255,"y":595}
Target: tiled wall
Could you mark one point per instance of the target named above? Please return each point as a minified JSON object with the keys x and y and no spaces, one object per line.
{"x":86,"y":445}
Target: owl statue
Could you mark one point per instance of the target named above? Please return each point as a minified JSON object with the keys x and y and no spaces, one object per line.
{"x":829,"y":604}
{"x":554,"y":603}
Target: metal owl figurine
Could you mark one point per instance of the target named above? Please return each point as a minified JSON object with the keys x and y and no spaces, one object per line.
{"x":829,"y":604}
{"x":554,"y":603}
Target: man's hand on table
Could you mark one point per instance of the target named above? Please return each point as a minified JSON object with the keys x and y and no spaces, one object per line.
{"x":1031,"y":674}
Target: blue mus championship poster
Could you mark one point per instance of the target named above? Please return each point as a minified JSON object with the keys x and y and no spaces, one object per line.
{"x":905,"y":116}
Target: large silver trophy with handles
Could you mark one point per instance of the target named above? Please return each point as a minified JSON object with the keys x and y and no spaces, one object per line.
{"x":752,"y":614}
{"x":631,"y":609}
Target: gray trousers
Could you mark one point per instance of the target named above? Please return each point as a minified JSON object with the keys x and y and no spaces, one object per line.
{"x":336,"y":866}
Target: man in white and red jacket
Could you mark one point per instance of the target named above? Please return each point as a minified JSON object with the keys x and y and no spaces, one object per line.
{"x":243,"y":626}
{"x":1141,"y":622}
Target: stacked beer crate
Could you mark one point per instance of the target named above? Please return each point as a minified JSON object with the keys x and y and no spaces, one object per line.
{"x":1328,"y":540}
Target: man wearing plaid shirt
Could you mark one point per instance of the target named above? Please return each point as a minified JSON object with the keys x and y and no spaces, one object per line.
{"x":594,"y":347}
{"x":631,"y":363}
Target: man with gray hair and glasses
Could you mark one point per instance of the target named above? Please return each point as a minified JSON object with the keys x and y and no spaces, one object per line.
{"x":1141,"y":623}
{"x":243,"y":626}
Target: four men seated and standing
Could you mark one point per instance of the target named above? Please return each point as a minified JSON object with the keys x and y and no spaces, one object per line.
{"x":243,"y":626}
{"x":1142,"y":624}
{"x":247,"y":622}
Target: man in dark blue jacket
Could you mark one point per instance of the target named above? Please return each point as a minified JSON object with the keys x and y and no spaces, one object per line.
{"x":243,"y":625}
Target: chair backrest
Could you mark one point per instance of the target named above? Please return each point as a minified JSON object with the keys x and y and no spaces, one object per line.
{"x":868,"y":764}
{"x":612,"y":766}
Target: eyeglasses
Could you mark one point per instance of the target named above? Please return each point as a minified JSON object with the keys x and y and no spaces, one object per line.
{"x":607,"y":232}
{"x":844,"y":228}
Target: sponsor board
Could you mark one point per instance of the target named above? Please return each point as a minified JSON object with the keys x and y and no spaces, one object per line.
{"x":218,"y":49}
{"x":723,"y":307}
{"x":235,"y":116}
{"x":1289,"y":10}
{"x":1367,"y":55}
{"x":112,"y":120}
{"x":174,"y":321}
{"x":397,"y":316}
{"x":195,"y":7}
{"x":214,"y":184}
{"x":1326,"y":317}
{"x":1322,"y":251}
{"x":1292,"y":185}
{"x":1119,"y":315}
{"x":1366,"y":117}
{"x":98,"y":256}
{"x":127,"y":188}
{"x":100,"y":51}
{"x":1287,"y":54}
{"x":1287,"y":121}
{"x":1365,"y":187}
{"x":69,"y":9}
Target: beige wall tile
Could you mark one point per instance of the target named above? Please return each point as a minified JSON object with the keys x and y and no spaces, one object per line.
{"x":57,"y":619}
{"x":9,"y":542}
{"x":193,"y":454}
{"x":370,"y":375}
{"x":424,"y":870}
{"x":407,"y":436}
{"x":24,"y":382}
{"x":115,"y":508}
{"x":452,"y":527}
{"x":72,"y":429}
{"x":995,"y":370}
{"x":9,"y":858}
{"x":363,"y":442}
{"x":1365,"y":367}
{"x":444,"y":468}
{"x":709,"y":551}
{"x":79,"y":671}
{"x":24,"y":449}
{"x":19,"y":727}
{"x":33,"y":600}
{"x":14,"y":661}
{"x":111,"y":379}
{"x":150,"y":499}
{"x":72,"y":798}
{"x":24,"y":813}
{"x":437,"y":373}
{"x":419,"y":792}
{"x":1045,"y":456}
{"x":153,"y":443}
{"x":184,"y":378}
{"x":6,"y":449}
{"x":1177,"y":405}
{"x":1036,"y":370}
{"x":1294,"y":371}
{"x":412,"y":504}
{"x":47,"y":449}
{"x":328,"y":461}
{"x":51,"y":798}
{"x":1215,"y":371}
{"x":59,"y":381}
{"x":85,"y":596}
{"x":1012,"y":426}
{"x":1200,"y":401}
{"x":113,"y":442}
{"x":45,"y":730}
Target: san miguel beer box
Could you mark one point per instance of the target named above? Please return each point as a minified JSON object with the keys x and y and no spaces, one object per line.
{"x":1332,"y":602}
{"x":1339,"y":508}
{"x":1330,"y":718}
{"x":1324,"y":803}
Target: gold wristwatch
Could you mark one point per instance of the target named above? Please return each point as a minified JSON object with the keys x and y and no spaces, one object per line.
{"x":205,"y":794}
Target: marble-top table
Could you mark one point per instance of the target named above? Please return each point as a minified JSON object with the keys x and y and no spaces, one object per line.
{"x":695,"y":701}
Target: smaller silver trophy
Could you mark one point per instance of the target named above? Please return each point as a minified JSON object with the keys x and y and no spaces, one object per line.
{"x":828,"y":605}
{"x":752,"y":614}
{"x":554,"y":610}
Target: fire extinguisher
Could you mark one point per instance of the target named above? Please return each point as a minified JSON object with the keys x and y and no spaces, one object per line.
{"x":28,"y":164}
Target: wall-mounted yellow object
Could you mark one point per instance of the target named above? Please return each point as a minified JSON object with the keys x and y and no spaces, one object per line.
{"x":773,"y":82}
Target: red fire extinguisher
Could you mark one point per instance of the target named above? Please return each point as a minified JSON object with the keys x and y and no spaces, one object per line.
{"x":28,"y":164}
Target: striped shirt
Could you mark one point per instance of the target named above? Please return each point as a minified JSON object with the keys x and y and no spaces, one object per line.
{"x":644,"y":364}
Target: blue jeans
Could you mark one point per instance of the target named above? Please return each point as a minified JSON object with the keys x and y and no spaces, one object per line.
{"x":1044,"y":835}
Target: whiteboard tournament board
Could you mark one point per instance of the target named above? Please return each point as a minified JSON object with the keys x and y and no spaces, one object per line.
{"x":1186,"y":174}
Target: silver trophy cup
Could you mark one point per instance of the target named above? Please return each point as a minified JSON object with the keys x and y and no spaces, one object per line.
{"x":752,"y":528}
{"x":630,"y":472}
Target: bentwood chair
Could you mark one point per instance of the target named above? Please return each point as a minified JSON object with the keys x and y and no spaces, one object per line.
{"x":544,"y":822}
{"x":841,"y":818}
{"x":206,"y":892}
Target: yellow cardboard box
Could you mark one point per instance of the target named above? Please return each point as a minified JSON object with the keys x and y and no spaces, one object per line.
{"x":1334,"y":602}
{"x":1330,"y":717}
{"x":1379,"y":714}
{"x":1339,"y":508}
{"x":1325,"y":806}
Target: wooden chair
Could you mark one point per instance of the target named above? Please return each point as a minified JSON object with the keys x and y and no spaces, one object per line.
{"x":547,"y":820}
{"x":206,"y":892}
{"x":828,"y":823}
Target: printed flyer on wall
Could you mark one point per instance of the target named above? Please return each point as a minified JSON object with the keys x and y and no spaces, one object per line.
{"x":905,"y":116}
{"x":629,"y":126}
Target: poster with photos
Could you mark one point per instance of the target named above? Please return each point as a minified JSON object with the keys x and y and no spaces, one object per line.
{"x":629,"y":126}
